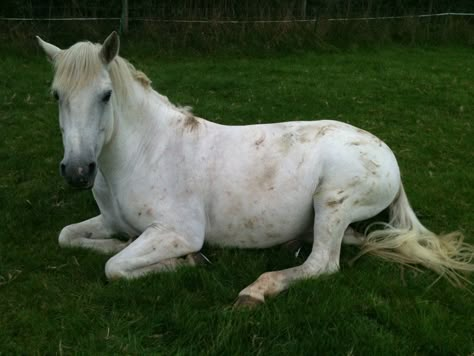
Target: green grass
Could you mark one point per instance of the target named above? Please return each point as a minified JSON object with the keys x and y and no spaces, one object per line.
{"x":420,"y":101}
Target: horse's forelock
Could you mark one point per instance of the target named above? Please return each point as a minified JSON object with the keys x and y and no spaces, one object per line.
{"x":76,"y":66}
{"x":81,"y":63}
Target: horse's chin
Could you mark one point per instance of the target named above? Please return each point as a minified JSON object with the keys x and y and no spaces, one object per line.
{"x":82,"y":186}
{"x":87,"y":187}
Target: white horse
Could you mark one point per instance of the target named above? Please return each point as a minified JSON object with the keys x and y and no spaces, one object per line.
{"x":176,"y":180}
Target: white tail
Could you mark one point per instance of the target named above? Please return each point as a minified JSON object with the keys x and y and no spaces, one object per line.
{"x":405,"y":240}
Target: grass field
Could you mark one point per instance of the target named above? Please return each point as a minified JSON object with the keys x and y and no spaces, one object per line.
{"x":54,"y":301}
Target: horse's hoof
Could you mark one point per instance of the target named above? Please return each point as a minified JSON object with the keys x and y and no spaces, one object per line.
{"x":246,"y":301}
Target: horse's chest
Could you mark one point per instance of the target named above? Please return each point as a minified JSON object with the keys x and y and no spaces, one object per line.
{"x":127,"y":208}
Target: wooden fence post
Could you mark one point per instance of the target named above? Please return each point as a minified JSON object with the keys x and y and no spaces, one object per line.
{"x":303,"y":9}
{"x":124,"y":18}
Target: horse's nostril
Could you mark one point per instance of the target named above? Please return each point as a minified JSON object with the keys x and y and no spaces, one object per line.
{"x":92,"y":166}
{"x":63,"y":169}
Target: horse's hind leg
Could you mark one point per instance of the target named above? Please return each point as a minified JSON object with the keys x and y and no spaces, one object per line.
{"x":92,"y":234}
{"x":329,"y":226}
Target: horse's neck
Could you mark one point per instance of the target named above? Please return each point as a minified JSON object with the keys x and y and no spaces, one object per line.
{"x":144,"y":127}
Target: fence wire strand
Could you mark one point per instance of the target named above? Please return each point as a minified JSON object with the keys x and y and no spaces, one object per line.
{"x":216,"y":21}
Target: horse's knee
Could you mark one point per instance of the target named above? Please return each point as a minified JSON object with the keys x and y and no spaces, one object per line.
{"x":65,"y":237}
{"x":114,"y":269}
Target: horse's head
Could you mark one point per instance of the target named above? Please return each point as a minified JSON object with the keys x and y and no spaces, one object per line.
{"x":83,"y":89}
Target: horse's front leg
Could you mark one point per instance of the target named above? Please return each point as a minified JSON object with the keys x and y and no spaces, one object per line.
{"x":156,"y":249}
{"x":92,"y":234}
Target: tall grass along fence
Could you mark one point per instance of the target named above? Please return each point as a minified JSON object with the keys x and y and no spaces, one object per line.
{"x":206,"y":26}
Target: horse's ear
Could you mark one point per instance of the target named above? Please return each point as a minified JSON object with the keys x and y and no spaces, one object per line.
{"x":110,"y":48}
{"x":50,"y":50}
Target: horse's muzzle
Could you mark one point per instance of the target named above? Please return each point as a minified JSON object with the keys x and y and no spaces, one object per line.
{"x":79,"y":175}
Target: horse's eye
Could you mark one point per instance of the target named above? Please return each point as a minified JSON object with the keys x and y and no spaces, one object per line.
{"x":106,"y":97}
{"x":55,"y":95}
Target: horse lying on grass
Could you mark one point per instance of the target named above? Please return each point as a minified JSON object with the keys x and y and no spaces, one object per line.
{"x":176,"y":181}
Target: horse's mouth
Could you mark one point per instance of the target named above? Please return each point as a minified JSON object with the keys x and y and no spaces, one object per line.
{"x":79,"y":176}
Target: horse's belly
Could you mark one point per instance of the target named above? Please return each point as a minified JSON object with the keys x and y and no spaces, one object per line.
{"x":257,"y":231}
{"x":259,"y":224}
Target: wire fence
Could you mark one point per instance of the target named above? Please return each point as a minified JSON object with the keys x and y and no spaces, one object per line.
{"x":138,"y":19}
{"x":206,"y":34}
